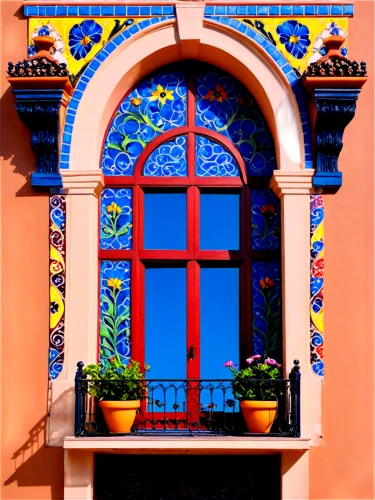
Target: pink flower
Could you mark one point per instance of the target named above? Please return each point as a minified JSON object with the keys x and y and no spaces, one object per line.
{"x":270,"y":361}
{"x":228,"y":363}
{"x":250,"y":360}
{"x":257,"y":356}
{"x":278,"y":365}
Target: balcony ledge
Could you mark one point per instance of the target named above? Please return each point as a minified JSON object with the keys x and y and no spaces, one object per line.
{"x":193,"y":444}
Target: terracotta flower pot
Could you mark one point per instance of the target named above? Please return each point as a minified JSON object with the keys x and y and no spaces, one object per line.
{"x":259,"y":415}
{"x":119,"y":415}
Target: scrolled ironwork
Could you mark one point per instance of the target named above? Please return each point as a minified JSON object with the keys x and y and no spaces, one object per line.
{"x":190,"y":407}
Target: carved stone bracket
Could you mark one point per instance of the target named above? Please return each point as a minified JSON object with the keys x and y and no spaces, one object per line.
{"x":39,"y":111}
{"x":335,"y":110}
{"x":42,"y":90}
{"x":334,"y":83}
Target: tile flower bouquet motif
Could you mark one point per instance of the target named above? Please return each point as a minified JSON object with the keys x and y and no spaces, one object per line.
{"x":77,"y":40}
{"x":114,"y":311}
{"x":266,"y":296}
{"x":225,"y":106}
{"x":116,"y":219}
{"x":300,"y":39}
{"x":158,"y":104}
{"x":265,"y":220}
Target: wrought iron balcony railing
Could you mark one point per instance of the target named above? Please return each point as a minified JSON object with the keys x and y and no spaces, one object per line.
{"x":189,"y":407}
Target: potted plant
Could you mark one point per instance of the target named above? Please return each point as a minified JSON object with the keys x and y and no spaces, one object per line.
{"x":257,"y":395}
{"x":119,"y":389}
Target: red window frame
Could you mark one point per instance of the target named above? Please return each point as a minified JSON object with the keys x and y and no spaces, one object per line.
{"x":193,"y":256}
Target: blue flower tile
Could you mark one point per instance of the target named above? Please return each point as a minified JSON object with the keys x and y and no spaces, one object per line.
{"x":209,"y":10}
{"x":274,"y":10}
{"x":42,"y":11}
{"x":231,"y":10}
{"x":145,"y":11}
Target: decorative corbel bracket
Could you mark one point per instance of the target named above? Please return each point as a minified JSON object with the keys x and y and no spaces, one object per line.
{"x":334,"y":83}
{"x":42,"y":90}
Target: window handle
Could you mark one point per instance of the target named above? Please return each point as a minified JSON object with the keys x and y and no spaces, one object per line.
{"x":192,"y":352}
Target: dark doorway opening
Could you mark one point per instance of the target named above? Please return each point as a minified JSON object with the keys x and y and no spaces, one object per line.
{"x":171,"y":477}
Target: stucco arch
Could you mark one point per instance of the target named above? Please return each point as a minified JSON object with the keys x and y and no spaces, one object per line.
{"x":162,"y":43}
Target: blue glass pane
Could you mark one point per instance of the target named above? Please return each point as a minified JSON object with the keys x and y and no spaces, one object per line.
{"x":266,"y":295}
{"x":219,"y":329}
{"x":226,"y":106}
{"x":212,"y":160}
{"x":165,"y":221}
{"x":165,"y":331}
{"x":265,"y":220}
{"x":220,"y":320}
{"x":168,"y":160}
{"x":114,"y":310}
{"x":219,"y":221}
{"x":116,"y":219}
{"x":156,"y":105}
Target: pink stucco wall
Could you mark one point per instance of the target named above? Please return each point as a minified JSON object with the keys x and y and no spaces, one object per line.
{"x":29,"y":469}
{"x":343,"y":467}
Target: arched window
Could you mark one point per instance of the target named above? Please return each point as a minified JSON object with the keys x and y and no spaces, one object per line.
{"x":190,"y":233}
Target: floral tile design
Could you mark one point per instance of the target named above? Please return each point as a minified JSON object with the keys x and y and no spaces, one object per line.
{"x":266,"y":298}
{"x":77,"y":40}
{"x":156,"y":105}
{"x":300,"y":39}
{"x":317,"y":282}
{"x":116,"y":219}
{"x":212,"y":160}
{"x":225,"y":106}
{"x":57,"y":284}
{"x":265,"y":220}
{"x":114,"y":310}
{"x":168,"y":160}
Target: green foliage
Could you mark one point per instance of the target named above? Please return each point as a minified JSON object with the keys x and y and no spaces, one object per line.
{"x":116,"y":382}
{"x":254,"y":382}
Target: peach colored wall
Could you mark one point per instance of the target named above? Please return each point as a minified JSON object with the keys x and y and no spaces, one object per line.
{"x":344,"y":466}
{"x":29,"y":469}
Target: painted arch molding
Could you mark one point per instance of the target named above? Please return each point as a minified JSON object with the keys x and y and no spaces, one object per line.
{"x":137,"y":52}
